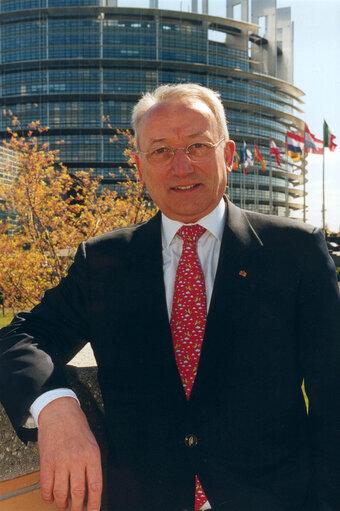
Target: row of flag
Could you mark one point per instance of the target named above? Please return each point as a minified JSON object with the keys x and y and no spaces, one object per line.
{"x":296,"y":143}
{"x":246,"y":158}
{"x":294,"y":147}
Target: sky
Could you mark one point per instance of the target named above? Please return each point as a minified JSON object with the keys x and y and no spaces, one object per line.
{"x":317,"y":74}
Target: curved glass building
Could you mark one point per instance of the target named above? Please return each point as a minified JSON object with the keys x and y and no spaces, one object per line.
{"x":73,"y":63}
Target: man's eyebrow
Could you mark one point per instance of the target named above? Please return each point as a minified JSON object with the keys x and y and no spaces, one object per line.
{"x":197,"y":134}
{"x":157,"y":140}
{"x":193,"y":135}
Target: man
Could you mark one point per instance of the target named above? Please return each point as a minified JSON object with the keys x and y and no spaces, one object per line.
{"x":231,"y":432}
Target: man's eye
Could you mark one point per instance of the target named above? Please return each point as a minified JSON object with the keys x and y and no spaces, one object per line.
{"x":198,"y":145}
{"x":160,"y":150}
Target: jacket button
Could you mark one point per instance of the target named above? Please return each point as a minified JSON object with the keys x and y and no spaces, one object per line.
{"x":191,"y":440}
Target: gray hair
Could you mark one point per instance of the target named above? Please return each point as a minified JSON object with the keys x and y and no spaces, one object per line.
{"x":179,"y":91}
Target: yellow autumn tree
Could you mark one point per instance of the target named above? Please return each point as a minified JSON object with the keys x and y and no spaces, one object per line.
{"x":52,"y":211}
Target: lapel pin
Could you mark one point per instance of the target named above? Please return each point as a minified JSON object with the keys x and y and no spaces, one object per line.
{"x":242,"y":273}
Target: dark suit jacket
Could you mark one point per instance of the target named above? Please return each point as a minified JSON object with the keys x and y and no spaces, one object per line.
{"x":273,"y":321}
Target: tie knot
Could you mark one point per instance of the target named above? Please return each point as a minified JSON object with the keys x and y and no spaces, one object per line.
{"x":191,"y":233}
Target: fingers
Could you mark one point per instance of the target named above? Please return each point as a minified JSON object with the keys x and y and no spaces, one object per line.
{"x":70,"y":465}
{"x":54,"y":484}
{"x":60,"y":489}
{"x":78,"y":485}
{"x":94,"y":486}
{"x":81,"y":484}
{"x":77,"y":490}
{"x":46,"y":483}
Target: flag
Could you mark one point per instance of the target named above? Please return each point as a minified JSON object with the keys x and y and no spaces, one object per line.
{"x":274,"y":150}
{"x":258,"y":156}
{"x":294,"y":145}
{"x":236,"y":160}
{"x":328,"y":137}
{"x":246,"y":157}
{"x":312,"y":143}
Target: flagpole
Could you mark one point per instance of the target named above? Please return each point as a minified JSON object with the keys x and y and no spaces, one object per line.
{"x":286,"y":192}
{"x":304,"y":185}
{"x":323,"y":193}
{"x":243,"y":203}
{"x":256,"y":184}
{"x":270,"y":187}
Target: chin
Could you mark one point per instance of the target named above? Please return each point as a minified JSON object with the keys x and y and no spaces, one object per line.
{"x":189,"y":218}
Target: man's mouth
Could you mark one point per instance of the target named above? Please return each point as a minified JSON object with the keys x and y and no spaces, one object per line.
{"x":183,"y":188}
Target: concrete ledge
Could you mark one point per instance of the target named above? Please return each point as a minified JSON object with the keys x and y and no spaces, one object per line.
{"x":19,"y":463}
{"x":22,"y":493}
{"x":16,"y":458}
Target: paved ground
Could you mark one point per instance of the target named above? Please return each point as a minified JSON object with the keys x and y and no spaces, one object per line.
{"x":84,"y":358}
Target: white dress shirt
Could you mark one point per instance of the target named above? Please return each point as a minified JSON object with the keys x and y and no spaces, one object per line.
{"x":208,"y":250}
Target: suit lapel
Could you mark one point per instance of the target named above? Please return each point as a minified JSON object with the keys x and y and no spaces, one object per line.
{"x":233,"y":289}
{"x":239,"y":246}
{"x":148,"y":273}
{"x":238,"y":253}
{"x":149,"y":280}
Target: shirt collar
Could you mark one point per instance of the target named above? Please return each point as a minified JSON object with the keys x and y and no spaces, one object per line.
{"x":213,"y":222}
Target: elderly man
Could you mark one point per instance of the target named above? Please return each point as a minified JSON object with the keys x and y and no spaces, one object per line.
{"x":204,"y":322}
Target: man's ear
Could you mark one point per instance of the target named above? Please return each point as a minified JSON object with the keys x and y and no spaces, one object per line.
{"x":229,"y":153}
{"x":139,"y":168}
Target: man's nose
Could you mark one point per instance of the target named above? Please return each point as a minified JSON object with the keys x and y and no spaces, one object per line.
{"x":181,"y":163}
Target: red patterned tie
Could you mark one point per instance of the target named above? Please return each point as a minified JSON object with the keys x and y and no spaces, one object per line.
{"x":188,"y":318}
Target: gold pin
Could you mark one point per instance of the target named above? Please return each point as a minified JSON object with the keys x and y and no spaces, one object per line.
{"x":242,"y":273}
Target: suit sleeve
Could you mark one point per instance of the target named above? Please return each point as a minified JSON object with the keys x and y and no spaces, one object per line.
{"x":35,"y":347}
{"x":318,"y":318}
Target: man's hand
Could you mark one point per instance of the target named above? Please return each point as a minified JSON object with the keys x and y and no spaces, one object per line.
{"x":69,"y":457}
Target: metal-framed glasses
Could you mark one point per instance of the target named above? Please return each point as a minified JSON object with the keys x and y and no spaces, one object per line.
{"x":196,"y":151}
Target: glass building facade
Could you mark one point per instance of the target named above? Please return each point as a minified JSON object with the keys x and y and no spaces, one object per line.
{"x":8,"y":171}
{"x":71,"y":64}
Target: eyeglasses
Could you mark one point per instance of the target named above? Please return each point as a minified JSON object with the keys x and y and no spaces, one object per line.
{"x":196,"y":151}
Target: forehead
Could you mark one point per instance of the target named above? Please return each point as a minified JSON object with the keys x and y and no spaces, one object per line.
{"x":177,"y":118}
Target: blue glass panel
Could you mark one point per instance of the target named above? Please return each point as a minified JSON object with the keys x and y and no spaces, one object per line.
{"x":74,"y":38}
{"x":125,"y":39}
{"x":68,"y":3}
{"x":74,"y":80}
{"x":26,"y":113}
{"x":128,"y":80}
{"x":24,"y":83}
{"x":182,"y":76}
{"x":23,"y":41}
{"x":16,"y":5}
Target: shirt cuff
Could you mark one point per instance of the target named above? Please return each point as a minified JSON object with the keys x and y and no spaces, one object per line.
{"x":46,"y":398}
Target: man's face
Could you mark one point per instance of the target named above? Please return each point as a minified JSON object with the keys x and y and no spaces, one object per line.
{"x":183,"y":189}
